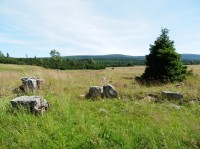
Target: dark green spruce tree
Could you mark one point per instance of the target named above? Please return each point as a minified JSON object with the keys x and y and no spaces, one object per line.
{"x":163,"y":64}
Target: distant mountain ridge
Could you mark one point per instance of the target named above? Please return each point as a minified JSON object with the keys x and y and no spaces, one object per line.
{"x":190,"y":56}
{"x":121,"y":57}
{"x":110,"y":56}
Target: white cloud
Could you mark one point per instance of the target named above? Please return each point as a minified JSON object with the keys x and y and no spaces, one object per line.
{"x":76,"y":27}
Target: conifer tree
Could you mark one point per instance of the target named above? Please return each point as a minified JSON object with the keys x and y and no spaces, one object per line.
{"x":163,"y":64}
{"x":7,"y":55}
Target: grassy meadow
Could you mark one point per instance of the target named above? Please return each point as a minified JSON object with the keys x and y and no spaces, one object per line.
{"x":139,"y":118}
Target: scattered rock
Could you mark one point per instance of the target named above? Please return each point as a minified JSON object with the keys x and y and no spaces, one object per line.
{"x":31,"y":83}
{"x":152,"y":97}
{"x":37,"y":104}
{"x":107,"y":91}
{"x":40,"y":82}
{"x":94,"y":92}
{"x":181,"y":84}
{"x":172,"y":95}
{"x":102,"y":111}
{"x":82,"y":95}
{"x":176,"y":106}
{"x":191,"y":102}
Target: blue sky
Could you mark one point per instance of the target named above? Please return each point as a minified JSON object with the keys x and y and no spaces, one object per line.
{"x":96,"y":27}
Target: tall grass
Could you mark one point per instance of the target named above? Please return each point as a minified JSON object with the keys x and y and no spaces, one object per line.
{"x":135,"y":120}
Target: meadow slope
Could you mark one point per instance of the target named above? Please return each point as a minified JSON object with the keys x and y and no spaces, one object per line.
{"x":139,"y":118}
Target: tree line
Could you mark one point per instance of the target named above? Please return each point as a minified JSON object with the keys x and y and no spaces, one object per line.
{"x":55,"y":61}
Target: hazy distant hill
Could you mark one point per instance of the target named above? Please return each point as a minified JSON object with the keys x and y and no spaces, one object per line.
{"x":190,"y":57}
{"x":110,"y":56}
{"x":120,"y":56}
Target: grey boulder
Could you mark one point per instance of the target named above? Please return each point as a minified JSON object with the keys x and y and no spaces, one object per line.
{"x":173,"y":95}
{"x":94,"y":92}
{"x":36,"y":104}
{"x":107,"y":91}
{"x":31,"y":83}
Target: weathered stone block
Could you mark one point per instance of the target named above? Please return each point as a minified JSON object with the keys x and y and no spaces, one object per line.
{"x":40,"y":82}
{"x":107,"y":91}
{"x":36,"y":104}
{"x":94,"y":92}
{"x":172,"y":95}
{"x":31,"y":83}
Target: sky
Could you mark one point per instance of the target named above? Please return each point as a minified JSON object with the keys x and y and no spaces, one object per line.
{"x":96,"y":27}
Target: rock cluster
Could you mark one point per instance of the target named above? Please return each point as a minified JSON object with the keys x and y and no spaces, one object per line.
{"x":31,"y":83}
{"x":107,"y":91}
{"x":36,"y":104}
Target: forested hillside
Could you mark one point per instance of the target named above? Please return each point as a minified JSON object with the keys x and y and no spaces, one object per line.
{"x":89,"y":61}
